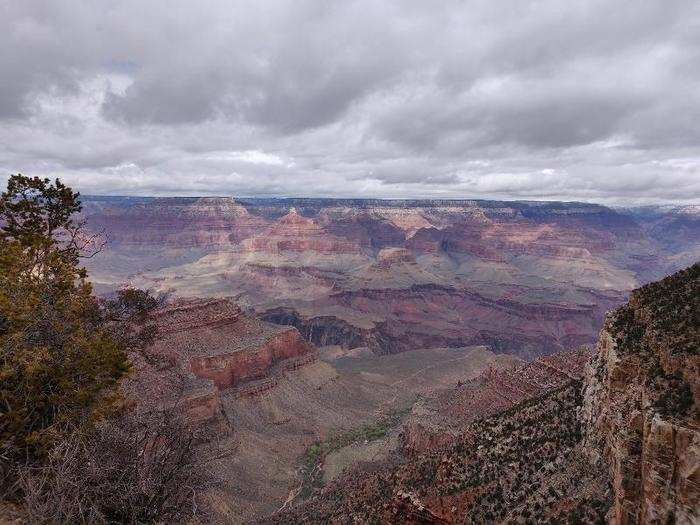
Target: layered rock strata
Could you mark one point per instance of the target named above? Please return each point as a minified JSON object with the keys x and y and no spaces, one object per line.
{"x":641,"y":402}
{"x":563,"y":439}
{"x":526,"y":278}
{"x":221,"y":344}
{"x":206,"y":349}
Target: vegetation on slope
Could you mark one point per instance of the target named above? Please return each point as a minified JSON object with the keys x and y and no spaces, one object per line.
{"x":661,"y":325}
{"x":523,"y":463}
{"x":312,"y":460}
{"x":71,"y":449}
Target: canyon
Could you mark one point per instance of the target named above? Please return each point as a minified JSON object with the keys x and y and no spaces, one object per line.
{"x":610,"y":435}
{"x":527,"y":278}
{"x":405,"y":361}
{"x":258,"y":395}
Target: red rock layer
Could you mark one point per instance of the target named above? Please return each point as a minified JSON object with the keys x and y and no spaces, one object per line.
{"x":206,"y":346}
{"x":221,"y":344}
{"x":237,"y":364}
{"x":183,"y":223}
{"x":425,"y":316}
{"x":294,"y":233}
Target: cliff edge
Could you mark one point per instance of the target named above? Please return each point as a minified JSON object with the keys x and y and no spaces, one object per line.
{"x":640,"y":410}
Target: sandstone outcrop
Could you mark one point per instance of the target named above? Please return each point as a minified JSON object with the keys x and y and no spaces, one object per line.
{"x":390,"y":256}
{"x":641,"y":402}
{"x":221,"y":344}
{"x":296,"y":233}
{"x":209,"y":348}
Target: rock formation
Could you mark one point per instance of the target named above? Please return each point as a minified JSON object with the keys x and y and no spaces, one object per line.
{"x":438,"y":420}
{"x":525,"y":278}
{"x":205,"y":348}
{"x":295,"y":233}
{"x":566,"y":438}
{"x":641,"y":402}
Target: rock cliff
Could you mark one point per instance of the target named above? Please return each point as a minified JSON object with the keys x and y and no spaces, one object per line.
{"x":220,"y":343}
{"x":206,"y":349}
{"x":641,"y":402}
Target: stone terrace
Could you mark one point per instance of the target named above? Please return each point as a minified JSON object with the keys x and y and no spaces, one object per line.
{"x":211,"y":327}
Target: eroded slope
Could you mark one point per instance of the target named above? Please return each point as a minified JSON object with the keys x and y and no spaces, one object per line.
{"x":620,"y":445}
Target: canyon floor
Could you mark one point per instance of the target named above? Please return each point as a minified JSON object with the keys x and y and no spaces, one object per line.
{"x":279,"y":416}
{"x":357,"y":403}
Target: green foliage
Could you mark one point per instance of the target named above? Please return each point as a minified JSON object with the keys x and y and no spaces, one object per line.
{"x":315,"y":454}
{"x":35,"y":211}
{"x":661,"y":327}
{"x":337,"y":440}
{"x":61,"y":350}
{"x":130,"y":307}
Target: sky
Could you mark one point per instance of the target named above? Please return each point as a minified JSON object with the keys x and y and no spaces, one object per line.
{"x":590,"y":100}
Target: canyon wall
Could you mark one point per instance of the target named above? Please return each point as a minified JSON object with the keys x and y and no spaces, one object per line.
{"x":218,"y":342}
{"x":206,"y":349}
{"x":231,"y":368}
{"x":439,"y":419}
{"x":641,"y":402}
{"x":528,"y":278}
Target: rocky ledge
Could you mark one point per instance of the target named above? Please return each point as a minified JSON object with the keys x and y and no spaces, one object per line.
{"x":221,"y":344}
{"x":641,"y":402}
{"x":207,"y":348}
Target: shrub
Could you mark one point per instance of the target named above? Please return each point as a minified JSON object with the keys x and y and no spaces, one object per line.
{"x":138,"y":468}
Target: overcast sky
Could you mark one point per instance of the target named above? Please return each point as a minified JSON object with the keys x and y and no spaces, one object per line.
{"x":575,"y":100}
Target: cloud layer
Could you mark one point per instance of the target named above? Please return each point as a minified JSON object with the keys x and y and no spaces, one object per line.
{"x":596,"y":100}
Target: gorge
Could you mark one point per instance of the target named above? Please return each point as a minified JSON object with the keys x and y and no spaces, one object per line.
{"x":527,"y":278}
{"x":342,"y":351}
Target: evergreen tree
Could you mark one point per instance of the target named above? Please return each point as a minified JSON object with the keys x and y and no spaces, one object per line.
{"x":58,"y":356}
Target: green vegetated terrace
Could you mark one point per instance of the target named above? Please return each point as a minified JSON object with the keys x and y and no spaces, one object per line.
{"x":311,"y":462}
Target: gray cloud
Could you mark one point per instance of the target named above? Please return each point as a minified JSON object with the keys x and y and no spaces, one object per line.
{"x":596,"y":101}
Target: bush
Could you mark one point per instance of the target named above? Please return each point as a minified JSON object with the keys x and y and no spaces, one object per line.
{"x":71,"y":451}
{"x":138,"y":468}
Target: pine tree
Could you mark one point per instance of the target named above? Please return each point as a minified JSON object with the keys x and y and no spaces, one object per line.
{"x":58,"y":359}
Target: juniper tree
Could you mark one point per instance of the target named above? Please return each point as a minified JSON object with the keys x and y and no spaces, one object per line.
{"x":57,"y":360}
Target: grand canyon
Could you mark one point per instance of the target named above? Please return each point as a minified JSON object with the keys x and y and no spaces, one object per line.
{"x":524,"y":278}
{"x":389,"y":361}
{"x":367,"y":262}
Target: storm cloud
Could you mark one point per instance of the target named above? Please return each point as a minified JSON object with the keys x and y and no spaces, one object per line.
{"x":593,"y":100}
